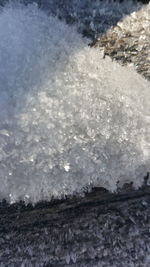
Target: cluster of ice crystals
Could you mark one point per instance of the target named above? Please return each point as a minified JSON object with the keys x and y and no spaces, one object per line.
{"x":129,"y":41}
{"x":92,"y":18}
{"x":68,"y":118}
{"x":137,"y":21}
{"x":137,"y":26}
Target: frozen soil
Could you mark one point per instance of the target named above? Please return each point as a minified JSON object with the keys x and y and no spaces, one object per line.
{"x":101,"y":229}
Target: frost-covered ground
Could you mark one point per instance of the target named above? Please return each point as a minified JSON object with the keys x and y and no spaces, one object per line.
{"x":129,"y":40}
{"x":114,"y":234}
{"x":69,"y":119}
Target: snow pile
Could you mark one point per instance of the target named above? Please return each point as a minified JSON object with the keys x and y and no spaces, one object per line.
{"x":68,"y":118}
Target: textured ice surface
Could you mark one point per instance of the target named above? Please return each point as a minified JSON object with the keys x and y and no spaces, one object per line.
{"x":69,"y":119}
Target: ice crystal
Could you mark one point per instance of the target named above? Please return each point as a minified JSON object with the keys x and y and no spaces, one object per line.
{"x":69,"y":119}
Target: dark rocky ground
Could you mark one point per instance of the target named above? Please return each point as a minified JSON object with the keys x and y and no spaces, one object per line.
{"x":101,"y":229}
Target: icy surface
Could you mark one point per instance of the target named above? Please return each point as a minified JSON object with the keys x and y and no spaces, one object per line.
{"x":69,"y":119}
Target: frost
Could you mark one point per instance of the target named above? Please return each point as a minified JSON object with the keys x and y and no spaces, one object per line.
{"x":92,"y":18}
{"x":69,"y":119}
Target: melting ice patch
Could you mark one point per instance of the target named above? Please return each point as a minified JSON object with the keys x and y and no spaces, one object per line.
{"x":69,"y":119}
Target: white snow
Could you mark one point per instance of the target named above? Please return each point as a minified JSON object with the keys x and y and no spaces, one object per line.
{"x":69,"y":119}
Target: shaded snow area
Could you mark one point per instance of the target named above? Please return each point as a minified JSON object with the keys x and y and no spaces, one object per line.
{"x":92,"y":18}
{"x":69,"y":119}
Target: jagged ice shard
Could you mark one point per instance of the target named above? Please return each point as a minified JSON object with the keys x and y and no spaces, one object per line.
{"x":69,"y":119}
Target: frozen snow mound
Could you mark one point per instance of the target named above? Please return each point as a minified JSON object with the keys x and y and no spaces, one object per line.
{"x":69,"y":119}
